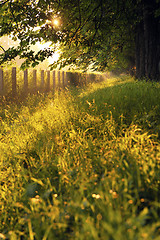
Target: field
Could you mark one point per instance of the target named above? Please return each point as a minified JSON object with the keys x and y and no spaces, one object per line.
{"x":82,"y":163}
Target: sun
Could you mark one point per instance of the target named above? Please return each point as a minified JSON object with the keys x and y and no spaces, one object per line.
{"x":56,"y":22}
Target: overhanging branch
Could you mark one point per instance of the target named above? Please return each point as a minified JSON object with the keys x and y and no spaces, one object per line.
{"x":2,"y":48}
{"x":2,"y":3}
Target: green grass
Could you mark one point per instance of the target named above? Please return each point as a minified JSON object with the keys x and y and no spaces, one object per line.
{"x":82,"y":163}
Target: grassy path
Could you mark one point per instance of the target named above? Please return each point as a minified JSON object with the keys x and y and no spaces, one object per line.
{"x":83,"y":163}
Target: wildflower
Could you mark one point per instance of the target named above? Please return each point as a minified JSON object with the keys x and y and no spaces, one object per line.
{"x":35,"y":200}
{"x":2,"y":236}
{"x":145,"y":235}
{"x":99,"y":217}
{"x":114,"y":194}
{"x":97,"y":196}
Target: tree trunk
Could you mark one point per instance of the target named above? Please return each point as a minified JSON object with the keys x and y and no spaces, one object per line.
{"x":148,"y":43}
{"x":152,"y":39}
{"x":140,"y":51}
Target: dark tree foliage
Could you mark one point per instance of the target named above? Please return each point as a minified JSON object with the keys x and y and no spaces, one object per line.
{"x":112,"y":34}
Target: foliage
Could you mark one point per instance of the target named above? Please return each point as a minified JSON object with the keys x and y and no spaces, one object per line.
{"x":82,"y":163}
{"x":90,"y":33}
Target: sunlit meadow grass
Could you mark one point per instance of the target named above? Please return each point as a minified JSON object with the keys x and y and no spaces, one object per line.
{"x":82,"y":163}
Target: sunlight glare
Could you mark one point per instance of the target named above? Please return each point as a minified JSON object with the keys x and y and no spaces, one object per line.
{"x":55,"y":22}
{"x":55,"y":56}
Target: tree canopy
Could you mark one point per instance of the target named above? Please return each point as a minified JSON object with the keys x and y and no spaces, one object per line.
{"x":100,"y":34}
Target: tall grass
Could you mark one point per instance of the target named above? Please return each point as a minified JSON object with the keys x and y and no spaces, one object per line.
{"x":82,"y":163}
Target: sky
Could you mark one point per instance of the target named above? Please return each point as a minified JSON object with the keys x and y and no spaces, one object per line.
{"x":7,"y":42}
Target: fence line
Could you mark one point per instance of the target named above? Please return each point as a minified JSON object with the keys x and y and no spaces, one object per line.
{"x":26,"y":80}
{"x":14,"y":82}
{"x":52,"y":80}
{"x":1,"y":82}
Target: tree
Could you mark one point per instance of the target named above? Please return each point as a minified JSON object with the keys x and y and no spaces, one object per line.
{"x":96,"y":33}
{"x":148,"y":39}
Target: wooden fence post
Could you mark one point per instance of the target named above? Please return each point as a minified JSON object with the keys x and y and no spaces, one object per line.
{"x":76,"y":79}
{"x":92,"y":77}
{"x":14,"y":83}
{"x":72,"y":78}
{"x":67,"y":78}
{"x":26,"y":81}
{"x":48,"y":81}
{"x":54,"y":79}
{"x":42,"y":78}
{"x":59,"y":78}
{"x":1,"y":83}
{"x":63,"y":83}
{"x":35,"y":80}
